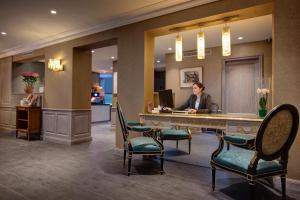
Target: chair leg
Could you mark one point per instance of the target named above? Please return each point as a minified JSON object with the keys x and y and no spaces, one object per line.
{"x":161,"y":164}
{"x":124,"y":158}
{"x":252,"y":189}
{"x":189,"y":146}
{"x":283,"y":186}
{"x":176,"y":144}
{"x":129,"y":164}
{"x":213,"y":172}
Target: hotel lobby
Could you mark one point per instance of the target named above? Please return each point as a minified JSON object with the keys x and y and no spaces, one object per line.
{"x":153,"y":99}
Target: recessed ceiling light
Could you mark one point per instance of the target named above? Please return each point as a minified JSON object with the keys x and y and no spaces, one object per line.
{"x":3,"y":33}
{"x":93,"y":51}
{"x":240,"y":38}
{"x":158,"y":61}
{"x":170,"y":49}
{"x":112,"y":57}
{"x":53,"y":12}
{"x":111,"y":67}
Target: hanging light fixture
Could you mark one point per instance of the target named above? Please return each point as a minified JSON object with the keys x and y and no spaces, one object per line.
{"x":178,"y":48}
{"x":200,"y":45}
{"x":226,"y":44}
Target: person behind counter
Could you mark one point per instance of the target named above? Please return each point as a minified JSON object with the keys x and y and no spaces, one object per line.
{"x":199,"y":102}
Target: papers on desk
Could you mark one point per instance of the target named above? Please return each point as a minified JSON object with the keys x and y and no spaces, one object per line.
{"x":180,"y":111}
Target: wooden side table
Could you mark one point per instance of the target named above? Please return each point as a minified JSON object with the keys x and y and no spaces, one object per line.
{"x":28,"y":120}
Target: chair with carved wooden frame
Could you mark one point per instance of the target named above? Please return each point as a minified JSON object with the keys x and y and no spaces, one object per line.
{"x":269,"y":158}
{"x":143,"y":145}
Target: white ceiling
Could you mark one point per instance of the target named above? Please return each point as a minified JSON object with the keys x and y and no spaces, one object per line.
{"x":102,"y":60}
{"x":29,"y":24}
{"x":254,"y":29}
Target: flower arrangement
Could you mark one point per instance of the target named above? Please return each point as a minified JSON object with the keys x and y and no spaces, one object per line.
{"x":29,"y":78}
{"x":263,"y":99}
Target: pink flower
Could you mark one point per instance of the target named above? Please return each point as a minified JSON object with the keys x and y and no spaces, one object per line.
{"x":28,"y":74}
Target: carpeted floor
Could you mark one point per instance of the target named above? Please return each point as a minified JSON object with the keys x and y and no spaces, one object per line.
{"x":38,"y":170}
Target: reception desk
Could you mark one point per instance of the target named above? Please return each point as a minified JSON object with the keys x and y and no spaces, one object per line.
{"x":100,"y":112}
{"x":227,"y":122}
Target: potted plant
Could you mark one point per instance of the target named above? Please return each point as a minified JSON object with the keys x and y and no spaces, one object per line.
{"x":263,"y":99}
{"x":29,"y":79}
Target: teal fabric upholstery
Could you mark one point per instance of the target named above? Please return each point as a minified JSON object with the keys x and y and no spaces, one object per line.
{"x":133,"y":123}
{"x":239,"y":160}
{"x":239,"y":139}
{"x":144,"y":144}
{"x":140,"y":128}
{"x":174,"y":134}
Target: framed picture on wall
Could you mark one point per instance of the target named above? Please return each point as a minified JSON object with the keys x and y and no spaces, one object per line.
{"x":190,"y":75}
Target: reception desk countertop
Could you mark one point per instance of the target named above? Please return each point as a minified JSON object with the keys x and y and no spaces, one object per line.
{"x":213,"y":116}
{"x":230,"y":123}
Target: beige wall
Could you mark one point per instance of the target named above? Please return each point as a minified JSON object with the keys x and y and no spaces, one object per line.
{"x":5,"y":81}
{"x":212,"y":69}
{"x":286,"y":66}
{"x":95,"y":78}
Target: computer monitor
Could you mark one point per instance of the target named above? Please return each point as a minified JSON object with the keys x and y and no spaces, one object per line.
{"x":166,"y":98}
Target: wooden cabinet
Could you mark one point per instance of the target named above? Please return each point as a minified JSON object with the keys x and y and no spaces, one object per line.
{"x":28,"y":120}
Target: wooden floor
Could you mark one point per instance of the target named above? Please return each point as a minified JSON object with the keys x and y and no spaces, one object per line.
{"x":39,"y":170}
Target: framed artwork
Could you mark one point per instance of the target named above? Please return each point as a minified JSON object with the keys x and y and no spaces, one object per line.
{"x":190,"y":75}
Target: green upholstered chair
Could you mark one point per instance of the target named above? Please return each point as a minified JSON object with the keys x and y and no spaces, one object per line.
{"x":246,"y":141}
{"x":269,"y":158}
{"x":176,"y":134}
{"x":134,"y":125}
{"x":143,"y":145}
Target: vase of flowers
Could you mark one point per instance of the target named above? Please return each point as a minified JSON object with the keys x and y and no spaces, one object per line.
{"x":29,"y":79}
{"x":263,"y":99}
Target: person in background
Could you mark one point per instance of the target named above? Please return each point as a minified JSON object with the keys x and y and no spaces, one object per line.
{"x":199,"y":102}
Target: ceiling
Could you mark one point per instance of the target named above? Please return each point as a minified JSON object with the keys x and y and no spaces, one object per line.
{"x":253,"y":29}
{"x":102,"y":59}
{"x":30,"y":25}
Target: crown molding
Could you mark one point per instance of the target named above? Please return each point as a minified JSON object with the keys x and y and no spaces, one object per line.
{"x":138,"y":15}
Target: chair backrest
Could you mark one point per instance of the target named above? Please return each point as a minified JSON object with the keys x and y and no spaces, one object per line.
{"x":122,"y":121}
{"x":277,"y":132}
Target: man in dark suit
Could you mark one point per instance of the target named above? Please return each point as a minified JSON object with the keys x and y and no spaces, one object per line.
{"x":199,"y":102}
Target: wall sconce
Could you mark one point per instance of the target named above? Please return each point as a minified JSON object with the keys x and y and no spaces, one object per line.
{"x":55,"y":65}
{"x":200,"y":45}
{"x":178,"y":48}
{"x":226,"y":44}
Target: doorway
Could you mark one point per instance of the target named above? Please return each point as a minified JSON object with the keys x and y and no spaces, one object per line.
{"x":240,"y":79}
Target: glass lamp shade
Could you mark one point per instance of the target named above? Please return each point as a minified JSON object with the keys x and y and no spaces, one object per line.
{"x":200,"y":45}
{"x":178,"y":48}
{"x":226,"y":44}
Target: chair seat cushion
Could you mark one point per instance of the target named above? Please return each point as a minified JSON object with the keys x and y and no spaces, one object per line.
{"x":144,"y":144}
{"x":140,"y":128}
{"x":239,"y":139}
{"x":133,"y":123}
{"x":238,"y":160}
{"x":174,"y":134}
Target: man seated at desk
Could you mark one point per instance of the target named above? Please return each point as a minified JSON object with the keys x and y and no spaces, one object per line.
{"x":199,"y":102}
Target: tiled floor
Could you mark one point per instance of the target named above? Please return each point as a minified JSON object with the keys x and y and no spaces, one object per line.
{"x":38,"y":170}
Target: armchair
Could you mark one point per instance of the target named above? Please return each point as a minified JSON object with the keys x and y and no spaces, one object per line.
{"x":143,"y":145}
{"x":269,"y":157}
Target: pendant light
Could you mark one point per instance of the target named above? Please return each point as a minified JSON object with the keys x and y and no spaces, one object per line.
{"x":226,"y":44}
{"x":200,"y":45}
{"x":178,"y":48}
